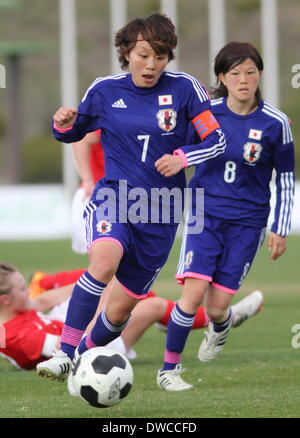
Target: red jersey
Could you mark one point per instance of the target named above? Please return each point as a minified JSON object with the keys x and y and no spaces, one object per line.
{"x":97,"y":159}
{"x":25,"y":336}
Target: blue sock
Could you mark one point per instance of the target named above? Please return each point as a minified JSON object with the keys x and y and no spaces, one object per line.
{"x":102,"y":333}
{"x":179,"y":327}
{"x":221,"y":326}
{"x":82,"y":307}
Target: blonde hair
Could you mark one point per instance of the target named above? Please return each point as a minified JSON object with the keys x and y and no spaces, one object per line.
{"x":5,"y":271}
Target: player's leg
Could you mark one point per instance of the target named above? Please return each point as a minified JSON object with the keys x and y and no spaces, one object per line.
{"x":179,"y":326}
{"x":112,"y":320}
{"x":220,"y":315}
{"x":106,"y":242}
{"x":241,"y":311}
{"x":247,"y":307}
{"x":140,"y":265}
{"x":82,"y":307}
{"x":197,"y":261}
{"x":196,"y":264}
{"x":104,"y":259}
{"x":146,"y":313}
{"x":241,"y":244}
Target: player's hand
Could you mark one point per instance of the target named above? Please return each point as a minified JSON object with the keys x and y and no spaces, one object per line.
{"x":65,"y":117}
{"x":168,"y":165}
{"x":276,"y":245}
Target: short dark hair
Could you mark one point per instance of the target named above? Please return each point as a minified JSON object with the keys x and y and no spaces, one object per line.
{"x":157,"y":29}
{"x":230,"y":56}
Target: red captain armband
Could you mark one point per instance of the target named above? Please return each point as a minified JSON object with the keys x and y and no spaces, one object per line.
{"x":205,"y":123}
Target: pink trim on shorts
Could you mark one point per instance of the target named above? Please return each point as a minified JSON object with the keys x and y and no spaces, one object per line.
{"x":181,"y":154}
{"x":224,"y":289}
{"x":181,"y":277}
{"x":132,"y":294}
{"x":62,"y":130}
{"x":108,"y":238}
{"x":172,"y":356}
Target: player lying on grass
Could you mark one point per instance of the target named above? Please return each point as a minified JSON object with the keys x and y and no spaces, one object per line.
{"x":29,"y":336}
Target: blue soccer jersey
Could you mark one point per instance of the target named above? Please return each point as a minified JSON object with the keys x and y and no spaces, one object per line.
{"x":237,"y":183}
{"x":139,"y":125}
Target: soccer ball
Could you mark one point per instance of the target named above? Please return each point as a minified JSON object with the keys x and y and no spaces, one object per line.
{"x":102,"y":377}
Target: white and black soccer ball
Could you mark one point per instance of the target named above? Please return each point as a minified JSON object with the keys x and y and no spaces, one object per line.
{"x":102,"y":377}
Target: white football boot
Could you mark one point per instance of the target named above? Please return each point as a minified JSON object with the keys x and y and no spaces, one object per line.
{"x":213,"y":343}
{"x":71,"y":389}
{"x":170,"y":380}
{"x":56,"y":368}
{"x":247,"y":307}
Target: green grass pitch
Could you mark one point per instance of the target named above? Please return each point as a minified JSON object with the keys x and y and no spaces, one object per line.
{"x":257,"y":374}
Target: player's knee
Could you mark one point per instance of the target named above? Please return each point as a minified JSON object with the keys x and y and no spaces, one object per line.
{"x":215,"y":314}
{"x":117,"y":316}
{"x":157,"y":304}
{"x":193,"y":296}
{"x":103,"y":270}
{"x":190,"y":305}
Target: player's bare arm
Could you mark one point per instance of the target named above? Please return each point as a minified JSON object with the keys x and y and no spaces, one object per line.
{"x":51,"y":298}
{"x":276,"y":245}
{"x":169,"y":165}
{"x":65,"y":117}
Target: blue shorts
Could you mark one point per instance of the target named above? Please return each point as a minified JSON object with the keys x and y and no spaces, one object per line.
{"x":145,"y":246}
{"x":221,"y":254}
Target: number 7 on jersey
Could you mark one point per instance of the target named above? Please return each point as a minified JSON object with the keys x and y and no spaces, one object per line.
{"x":146,"y":139}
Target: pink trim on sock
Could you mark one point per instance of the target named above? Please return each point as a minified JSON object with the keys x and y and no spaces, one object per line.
{"x":89,"y":343}
{"x":107,"y":238}
{"x":224,"y":289}
{"x":62,"y":130}
{"x":71,"y":336}
{"x":172,"y":356}
{"x":181,"y":277}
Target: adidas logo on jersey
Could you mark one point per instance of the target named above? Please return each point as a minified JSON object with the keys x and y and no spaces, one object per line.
{"x":119,"y":104}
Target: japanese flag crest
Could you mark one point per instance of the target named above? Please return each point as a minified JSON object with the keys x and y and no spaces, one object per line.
{"x":103,"y":227}
{"x":166,"y":119}
{"x":252,"y":152}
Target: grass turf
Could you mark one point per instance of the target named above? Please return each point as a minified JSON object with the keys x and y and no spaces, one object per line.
{"x":256,"y":376}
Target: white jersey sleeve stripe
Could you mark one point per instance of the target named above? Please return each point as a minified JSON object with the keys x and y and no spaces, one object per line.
{"x":217,"y":101}
{"x":196,"y":157}
{"x":200,"y":159}
{"x":97,"y":80}
{"x":286,"y":197}
{"x":286,"y":130}
{"x":290,"y":201}
{"x":200,"y":90}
